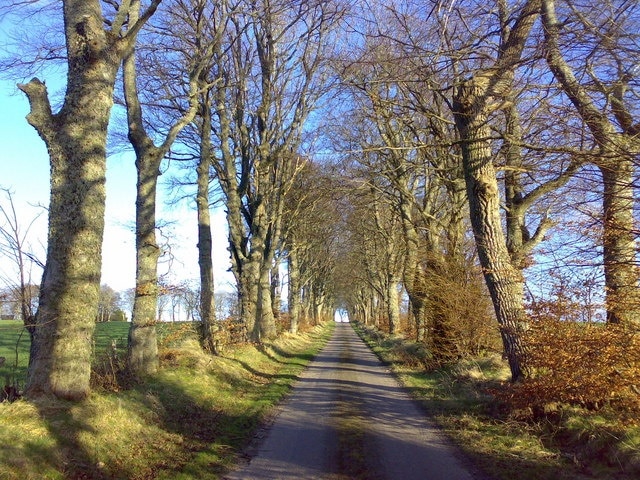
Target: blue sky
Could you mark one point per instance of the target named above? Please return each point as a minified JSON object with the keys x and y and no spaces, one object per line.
{"x":24,"y":168}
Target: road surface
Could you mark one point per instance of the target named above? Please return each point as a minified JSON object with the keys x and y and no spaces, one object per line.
{"x":348,"y":418}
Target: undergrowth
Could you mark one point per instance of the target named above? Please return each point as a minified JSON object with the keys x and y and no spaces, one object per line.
{"x":569,"y":442}
{"x":189,"y":421}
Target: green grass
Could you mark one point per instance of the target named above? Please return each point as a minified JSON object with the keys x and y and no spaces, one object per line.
{"x":575,"y":445}
{"x":15,"y":342}
{"x":14,"y":347}
{"x":190,"y":421}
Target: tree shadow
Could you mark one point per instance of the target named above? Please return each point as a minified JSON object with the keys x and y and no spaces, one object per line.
{"x":266,"y":376}
{"x":196,"y":425}
{"x":304,"y":358}
{"x":66,"y":427}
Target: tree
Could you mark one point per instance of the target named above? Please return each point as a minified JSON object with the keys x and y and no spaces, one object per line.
{"x":267,"y":77}
{"x":474,"y":101}
{"x":14,"y":245}
{"x":76,"y":141}
{"x":404,"y":142}
{"x":311,"y":228}
{"x":210,"y":21}
{"x":108,"y":303}
{"x":607,"y":113}
{"x":142,"y":355}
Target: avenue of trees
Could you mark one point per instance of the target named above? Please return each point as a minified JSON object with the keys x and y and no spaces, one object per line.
{"x":456,"y":172}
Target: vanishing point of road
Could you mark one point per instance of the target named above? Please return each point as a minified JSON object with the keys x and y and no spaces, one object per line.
{"x":348,"y":418}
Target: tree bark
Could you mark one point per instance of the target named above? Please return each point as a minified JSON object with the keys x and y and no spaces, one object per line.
{"x":619,"y":244}
{"x":143,"y":347}
{"x":393,"y":305}
{"x":413,"y":274}
{"x":474,"y":100}
{"x":266,"y":322}
{"x":294,"y":289}
{"x":504,"y":281}
{"x":276,"y":290}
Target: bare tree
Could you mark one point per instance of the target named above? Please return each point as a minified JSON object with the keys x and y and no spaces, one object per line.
{"x":474,"y":101}
{"x":76,"y":141}
{"x":405,"y":143}
{"x":109,"y":303}
{"x":310,"y":229}
{"x":609,"y":116}
{"x":143,"y":350}
{"x":14,"y":245}
{"x":267,"y":79}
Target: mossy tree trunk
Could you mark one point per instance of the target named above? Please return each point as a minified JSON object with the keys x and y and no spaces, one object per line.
{"x":76,"y":142}
{"x":294,"y":287}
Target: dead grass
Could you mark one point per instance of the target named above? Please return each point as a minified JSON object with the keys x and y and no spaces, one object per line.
{"x":569,"y":443}
{"x":188,"y":421}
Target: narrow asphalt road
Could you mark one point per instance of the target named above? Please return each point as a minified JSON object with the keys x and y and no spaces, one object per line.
{"x":348,"y":418}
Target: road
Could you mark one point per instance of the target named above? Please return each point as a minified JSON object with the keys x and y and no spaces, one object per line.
{"x":348,"y":418}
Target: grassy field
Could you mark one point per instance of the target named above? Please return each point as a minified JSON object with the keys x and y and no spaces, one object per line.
{"x":573,"y":444}
{"x":15,"y":342}
{"x":190,"y":421}
{"x":14,"y":347}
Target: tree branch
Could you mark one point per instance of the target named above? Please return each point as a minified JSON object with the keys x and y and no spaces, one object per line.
{"x":545,"y":224}
{"x":592,"y":116}
{"x":551,"y":185}
{"x":133,"y":30}
{"x":40,"y":117}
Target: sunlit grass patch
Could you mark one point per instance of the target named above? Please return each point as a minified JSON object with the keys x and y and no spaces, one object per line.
{"x":28,"y":450}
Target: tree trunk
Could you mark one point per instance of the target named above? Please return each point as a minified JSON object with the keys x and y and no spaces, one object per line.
{"x":249,"y":303}
{"x":205,"y":243}
{"x":294,"y":289}
{"x":143,"y":347}
{"x":616,"y":165}
{"x":265,"y":321}
{"x":473,"y":101}
{"x":504,"y":282}
{"x":142,"y":355}
{"x":393,"y":305}
{"x":413,"y":274}
{"x":619,"y":245}
{"x":419,"y":314}
{"x":276,"y":290}
{"x":76,"y":142}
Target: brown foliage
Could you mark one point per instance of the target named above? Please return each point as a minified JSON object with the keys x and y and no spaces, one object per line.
{"x":462,"y":323}
{"x":109,"y":372}
{"x":585,"y":364}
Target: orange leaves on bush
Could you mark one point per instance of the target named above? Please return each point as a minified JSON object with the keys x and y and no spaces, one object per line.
{"x":585,"y":364}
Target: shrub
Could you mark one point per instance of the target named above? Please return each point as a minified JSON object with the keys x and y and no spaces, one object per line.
{"x":586,"y":364}
{"x":460,"y":310}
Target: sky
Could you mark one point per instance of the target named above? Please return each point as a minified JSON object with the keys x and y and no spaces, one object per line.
{"x":24,"y":169}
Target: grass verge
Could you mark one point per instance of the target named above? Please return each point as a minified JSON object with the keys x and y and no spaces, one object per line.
{"x":189,"y":421}
{"x":570,"y":443}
